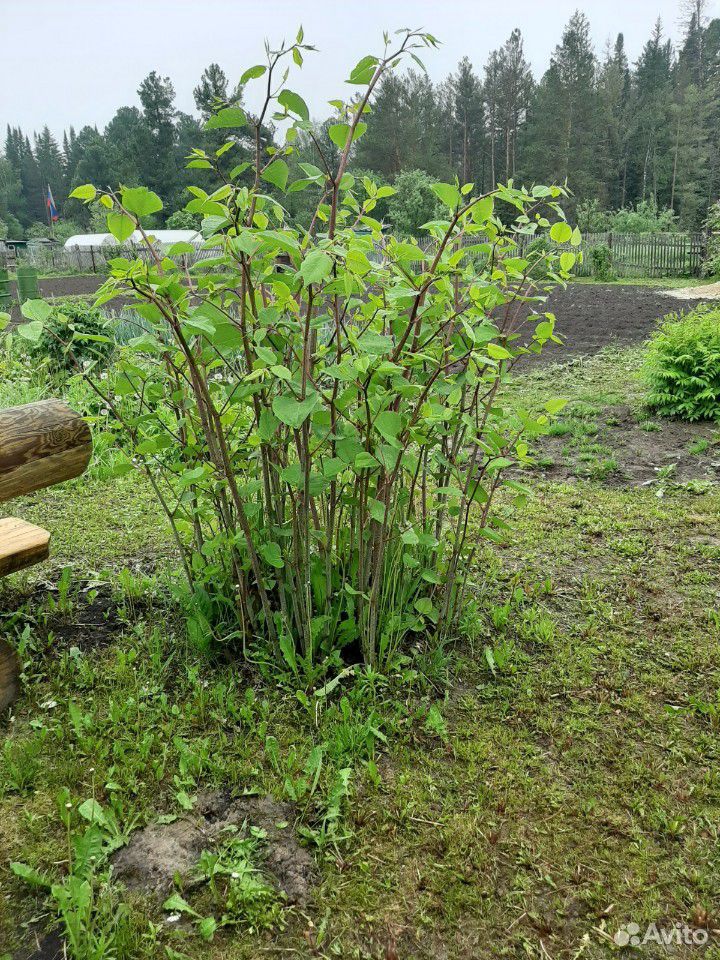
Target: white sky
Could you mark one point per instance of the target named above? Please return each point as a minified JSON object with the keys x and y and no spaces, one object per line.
{"x":76,"y":61}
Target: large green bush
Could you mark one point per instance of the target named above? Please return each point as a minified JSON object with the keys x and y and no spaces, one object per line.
{"x":682,"y":369}
{"x":73,"y":332}
{"x":318,"y":409}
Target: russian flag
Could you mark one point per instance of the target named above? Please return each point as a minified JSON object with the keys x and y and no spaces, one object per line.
{"x":50,"y":204}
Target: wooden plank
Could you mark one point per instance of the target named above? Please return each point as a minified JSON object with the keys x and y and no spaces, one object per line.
{"x":21,"y":545}
{"x":41,"y":444}
{"x":9,"y":675}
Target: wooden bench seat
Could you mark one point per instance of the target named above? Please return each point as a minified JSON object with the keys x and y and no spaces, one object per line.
{"x":41,"y":444}
{"x":21,"y":545}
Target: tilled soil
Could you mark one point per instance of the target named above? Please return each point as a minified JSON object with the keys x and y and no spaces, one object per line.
{"x":592,"y":316}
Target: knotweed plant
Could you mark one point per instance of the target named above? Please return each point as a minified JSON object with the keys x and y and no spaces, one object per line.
{"x":318,"y":407}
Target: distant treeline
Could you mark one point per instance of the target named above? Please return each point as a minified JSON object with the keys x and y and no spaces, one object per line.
{"x":620,"y":134}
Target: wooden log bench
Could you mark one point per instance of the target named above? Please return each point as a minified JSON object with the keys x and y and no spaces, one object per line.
{"x":41,"y":444}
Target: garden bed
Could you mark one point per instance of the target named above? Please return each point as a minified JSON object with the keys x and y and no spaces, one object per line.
{"x":593,"y":316}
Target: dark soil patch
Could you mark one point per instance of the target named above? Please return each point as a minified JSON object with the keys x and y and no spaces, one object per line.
{"x":90,"y":617}
{"x":71,"y":286}
{"x":79,"y":286}
{"x":46,"y":947}
{"x":643,"y":456}
{"x":593,"y":316}
{"x":161,"y":852}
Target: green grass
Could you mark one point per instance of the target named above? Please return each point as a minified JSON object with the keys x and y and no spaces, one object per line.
{"x":520,"y":794}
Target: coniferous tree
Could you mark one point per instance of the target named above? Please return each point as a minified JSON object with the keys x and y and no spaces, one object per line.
{"x":514,"y":88}
{"x":467,"y":119}
{"x":563,"y":144}
{"x":158,"y":171}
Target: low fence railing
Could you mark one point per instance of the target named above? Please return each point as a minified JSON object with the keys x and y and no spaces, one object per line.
{"x":647,"y":254}
{"x":630,"y":255}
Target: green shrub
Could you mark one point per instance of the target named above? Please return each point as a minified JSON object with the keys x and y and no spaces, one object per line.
{"x":318,"y":409}
{"x":601,"y":262}
{"x":682,"y":369}
{"x":711,"y":264}
{"x":72,"y":321}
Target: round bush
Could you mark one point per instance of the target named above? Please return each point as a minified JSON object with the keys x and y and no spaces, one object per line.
{"x":682,"y":368}
{"x":74,"y":330}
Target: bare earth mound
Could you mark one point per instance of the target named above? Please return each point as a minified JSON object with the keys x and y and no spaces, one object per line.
{"x":710,"y":291}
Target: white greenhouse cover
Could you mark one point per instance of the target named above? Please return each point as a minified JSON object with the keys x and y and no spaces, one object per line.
{"x":165,"y":238}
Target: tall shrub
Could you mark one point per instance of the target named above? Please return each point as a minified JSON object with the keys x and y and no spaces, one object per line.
{"x":318,"y":410}
{"x":682,"y":368}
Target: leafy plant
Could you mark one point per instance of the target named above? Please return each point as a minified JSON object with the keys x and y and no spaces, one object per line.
{"x":682,"y":368}
{"x":94,"y":925}
{"x":601,"y":262}
{"x":317,"y":409}
{"x":72,"y":333}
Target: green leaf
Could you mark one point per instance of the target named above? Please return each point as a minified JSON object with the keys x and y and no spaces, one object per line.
{"x":200,"y":324}
{"x":86,"y":192}
{"x":316,"y":266}
{"x":561,"y":232}
{"x":226,"y":118}
{"x":176,"y":904}
{"x":389,"y":424}
{"x":31,"y":331}
{"x":177,"y":249}
{"x":93,"y":812}
{"x":497,"y":352}
{"x":141,"y":201}
{"x":207,"y":928}
{"x":376,"y":509}
{"x":277,"y":174}
{"x":29,"y":875}
{"x":448,"y":194}
{"x":252,"y":73}
{"x":483,"y":210}
{"x":556,"y":404}
{"x":338,"y":133}
{"x":272,"y":554}
{"x":358,"y":263}
{"x":365,"y":459}
{"x":36,"y":310}
{"x":567,"y":261}
{"x":294,"y":103}
{"x":294,"y":412}
{"x":120,"y":226}
{"x":364,"y":71}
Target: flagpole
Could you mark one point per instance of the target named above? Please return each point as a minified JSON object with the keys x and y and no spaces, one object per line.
{"x":49,"y":214}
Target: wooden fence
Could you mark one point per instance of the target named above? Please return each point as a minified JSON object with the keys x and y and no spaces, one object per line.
{"x":647,"y":254}
{"x":632,"y":255}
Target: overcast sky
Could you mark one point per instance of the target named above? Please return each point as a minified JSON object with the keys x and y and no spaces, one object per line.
{"x":76,"y":61}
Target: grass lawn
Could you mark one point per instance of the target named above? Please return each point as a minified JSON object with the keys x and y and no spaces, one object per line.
{"x":525,"y":792}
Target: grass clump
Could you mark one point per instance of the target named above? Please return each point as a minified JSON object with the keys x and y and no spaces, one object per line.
{"x":682,"y":367}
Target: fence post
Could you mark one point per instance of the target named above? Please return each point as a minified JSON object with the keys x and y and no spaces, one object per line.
{"x":92,"y":257}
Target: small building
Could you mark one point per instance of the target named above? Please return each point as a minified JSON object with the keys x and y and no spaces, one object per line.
{"x":164,"y":239}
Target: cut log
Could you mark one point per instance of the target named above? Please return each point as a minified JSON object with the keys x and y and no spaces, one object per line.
{"x":9,"y":675}
{"x":21,"y":545}
{"x":41,"y":444}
